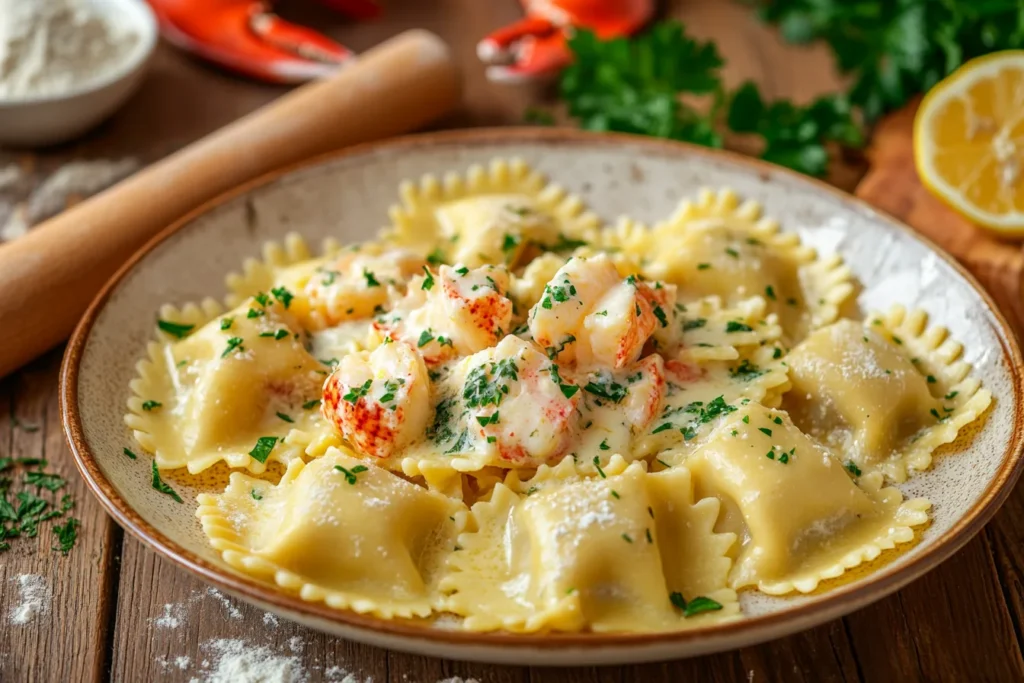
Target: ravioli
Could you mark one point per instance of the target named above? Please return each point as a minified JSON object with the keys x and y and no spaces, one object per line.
{"x":504,"y":415}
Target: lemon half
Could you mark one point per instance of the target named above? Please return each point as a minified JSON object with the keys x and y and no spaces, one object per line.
{"x":969,"y":141}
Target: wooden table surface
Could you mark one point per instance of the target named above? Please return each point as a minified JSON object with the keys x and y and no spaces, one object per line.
{"x":118,"y":612}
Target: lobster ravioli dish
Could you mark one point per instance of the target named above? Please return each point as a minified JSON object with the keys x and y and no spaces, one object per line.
{"x":502,"y":413}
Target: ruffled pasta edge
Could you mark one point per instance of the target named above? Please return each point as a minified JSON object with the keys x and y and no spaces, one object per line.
{"x":223,"y":537}
{"x":500,"y":175}
{"x":942,"y":358}
{"x":143,"y":387}
{"x":906,"y":515}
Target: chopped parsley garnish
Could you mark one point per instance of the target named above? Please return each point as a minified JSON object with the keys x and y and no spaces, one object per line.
{"x":777,"y":353}
{"x":226,"y":323}
{"x":484,"y":385}
{"x":951,"y":395}
{"x":66,"y":535}
{"x":737,"y":326}
{"x":463,"y":271}
{"x":931,"y":379}
{"x":254,"y":313}
{"x":659,"y":313}
{"x":509,"y":242}
{"x":329,"y":276}
{"x":694,"y":324}
{"x":746,"y":419}
{"x":626,"y":538}
{"x":565,"y":243}
{"x":769,"y":292}
{"x":445,"y":341}
{"x":597,"y":464}
{"x":732,"y":252}
{"x":234,"y":344}
{"x":175,"y":329}
{"x":264,"y":445}
{"x":553,"y":351}
{"x":661,"y":428}
{"x":428,"y":282}
{"x":698,"y":605}
{"x":604,"y":387}
{"x":648,"y":533}
{"x":262,"y":299}
{"x":615,"y":495}
{"x":284,"y":417}
{"x":559,"y":293}
{"x":604,"y":445}
{"x":350,"y":475}
{"x":256,"y":495}
{"x":279,"y":335}
{"x":703,"y":266}
{"x":149,"y":405}
{"x":485,"y":420}
{"x":938,"y":417}
{"x":777,"y":420}
{"x":130,"y":454}
{"x":791,"y":301}
{"x":852,"y":468}
{"x":426,"y":336}
{"x":897,"y":339}
{"x":436,"y":257}
{"x":746,"y":370}
{"x":160,"y":486}
{"x":765,"y":430}
{"x":356,"y":393}
{"x":568,"y":390}
{"x":43,"y":480}
{"x":283,"y":295}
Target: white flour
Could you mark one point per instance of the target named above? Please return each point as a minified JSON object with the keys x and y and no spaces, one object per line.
{"x":51,"y":47}
{"x":72,"y":181}
{"x":34,"y":596}
{"x":235,"y":661}
{"x":173,"y":617}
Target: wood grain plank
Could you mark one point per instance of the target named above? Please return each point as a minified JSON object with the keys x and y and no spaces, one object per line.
{"x":66,"y":641}
{"x":165,"y":615}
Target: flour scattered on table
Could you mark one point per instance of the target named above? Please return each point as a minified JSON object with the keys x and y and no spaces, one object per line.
{"x":34,"y":598}
{"x":225,"y":601}
{"x":75,"y":180}
{"x":236,"y":661}
{"x":296,"y":644}
{"x":270,"y":620}
{"x":337,"y":674}
{"x":71,"y":182}
{"x":173,"y":617}
{"x":458,"y":679}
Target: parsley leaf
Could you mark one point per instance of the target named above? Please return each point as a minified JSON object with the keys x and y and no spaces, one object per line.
{"x":264,"y":445}
{"x":174,"y":329}
{"x":160,"y":486}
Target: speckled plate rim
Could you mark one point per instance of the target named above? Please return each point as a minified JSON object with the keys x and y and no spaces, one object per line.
{"x":841,"y":600}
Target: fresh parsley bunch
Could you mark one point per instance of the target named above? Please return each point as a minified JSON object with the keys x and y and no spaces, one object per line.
{"x":895,"y":49}
{"x":645,"y":85}
{"x":634,"y":85}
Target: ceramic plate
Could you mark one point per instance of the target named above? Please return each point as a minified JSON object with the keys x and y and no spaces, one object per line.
{"x":347,"y":196}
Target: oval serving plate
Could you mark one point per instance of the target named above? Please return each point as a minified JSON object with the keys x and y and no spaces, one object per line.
{"x":346,"y":196}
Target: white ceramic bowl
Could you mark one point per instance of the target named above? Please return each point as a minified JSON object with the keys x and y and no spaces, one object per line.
{"x":49,"y":119}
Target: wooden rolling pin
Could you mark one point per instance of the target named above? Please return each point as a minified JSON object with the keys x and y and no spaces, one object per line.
{"x":49,"y":276}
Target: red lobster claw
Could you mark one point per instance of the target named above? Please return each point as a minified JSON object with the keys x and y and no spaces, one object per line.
{"x":247,"y":37}
{"x":535,"y":46}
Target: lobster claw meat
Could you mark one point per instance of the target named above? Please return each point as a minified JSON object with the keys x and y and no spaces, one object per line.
{"x":535,"y":46}
{"x":247,"y":37}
